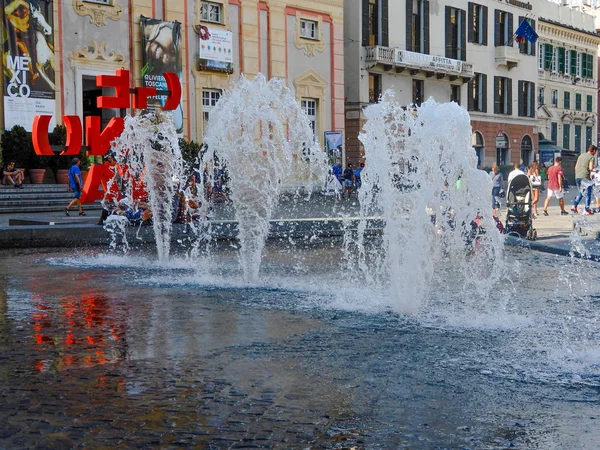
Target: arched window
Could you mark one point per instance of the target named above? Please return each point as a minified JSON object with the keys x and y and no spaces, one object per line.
{"x":478,"y":146}
{"x":502,"y":150}
{"x":526,"y":150}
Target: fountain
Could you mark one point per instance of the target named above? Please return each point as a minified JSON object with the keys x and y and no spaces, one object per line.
{"x":263,"y":137}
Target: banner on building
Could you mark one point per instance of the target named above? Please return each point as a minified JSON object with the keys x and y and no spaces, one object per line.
{"x":161,"y":52}
{"x":333,"y":145}
{"x":28,"y":55}
{"x":215,"y":49}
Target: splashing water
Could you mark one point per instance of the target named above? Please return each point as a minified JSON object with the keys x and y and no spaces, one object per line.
{"x":421,"y":176}
{"x":149,"y":151}
{"x":264,"y":138}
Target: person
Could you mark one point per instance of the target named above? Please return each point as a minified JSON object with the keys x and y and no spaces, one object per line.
{"x":76,"y":185}
{"x":357,"y":172}
{"x":13,"y":176}
{"x":497,"y":181}
{"x":555,"y":186}
{"x":596,"y":189}
{"x":348,"y":180}
{"x":161,"y":44}
{"x":583,"y":170}
{"x":533,"y":173}
{"x":516,"y":171}
{"x":336,"y":169}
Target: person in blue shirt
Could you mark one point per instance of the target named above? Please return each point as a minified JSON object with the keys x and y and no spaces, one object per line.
{"x":337,"y":171}
{"x":76,"y":185}
{"x":357,"y":172}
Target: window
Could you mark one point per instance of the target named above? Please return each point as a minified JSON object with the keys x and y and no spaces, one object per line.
{"x":567,"y":100}
{"x":417,"y":26}
{"x":554,"y":132}
{"x":503,"y":28}
{"x":502,"y":150}
{"x":309,"y":106}
{"x":548,"y":56}
{"x":588,"y":137}
{"x":526,"y":99}
{"x":587,"y":65}
{"x":541,"y":56}
{"x":560,"y":51}
{"x":477,"y":141}
{"x":526,"y":150}
{"x":477,"y":93}
{"x":554,"y":66}
{"x":456,"y":37}
{"x":100,"y":2}
{"x":578,"y":102}
{"x":567,"y":62}
{"x":578,"y":138}
{"x":541,"y":100}
{"x":578,"y":66}
{"x":418,"y":92}
{"x":502,"y":95}
{"x":210,"y":97}
{"x":210,"y":12}
{"x":375,"y":23}
{"x":526,"y":47}
{"x":588,"y":103}
{"x":555,"y":98}
{"x":308,"y":29}
{"x":455,"y":93}
{"x":374,"y":87}
{"x":573,"y":62}
{"x":478,"y":23}
{"x":566,"y":135}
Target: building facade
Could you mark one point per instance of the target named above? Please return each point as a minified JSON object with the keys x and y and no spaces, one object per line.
{"x":567,"y":96}
{"x":209,"y":43}
{"x":451,"y":50}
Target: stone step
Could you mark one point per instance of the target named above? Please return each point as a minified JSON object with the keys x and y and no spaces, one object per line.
{"x":46,"y":208}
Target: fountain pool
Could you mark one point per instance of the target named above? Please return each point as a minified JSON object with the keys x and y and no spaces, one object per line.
{"x":100,"y":349}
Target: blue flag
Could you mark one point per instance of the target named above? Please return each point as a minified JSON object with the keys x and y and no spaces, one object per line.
{"x":526,"y":31}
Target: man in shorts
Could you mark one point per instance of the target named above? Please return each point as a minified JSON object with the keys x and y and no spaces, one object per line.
{"x":13,"y":176}
{"x":555,"y":186}
{"x":76,"y":185}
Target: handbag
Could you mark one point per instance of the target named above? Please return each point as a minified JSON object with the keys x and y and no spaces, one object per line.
{"x":536,"y":181}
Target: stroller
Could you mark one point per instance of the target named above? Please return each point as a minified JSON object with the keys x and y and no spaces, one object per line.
{"x":519,"y":216}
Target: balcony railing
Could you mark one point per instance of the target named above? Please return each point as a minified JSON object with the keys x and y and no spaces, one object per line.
{"x":431,"y":64}
{"x":507,"y":56}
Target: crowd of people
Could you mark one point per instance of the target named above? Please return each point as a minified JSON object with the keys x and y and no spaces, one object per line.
{"x":347,"y":180}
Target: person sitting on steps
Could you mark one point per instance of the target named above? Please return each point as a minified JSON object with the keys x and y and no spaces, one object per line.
{"x":13,"y":176}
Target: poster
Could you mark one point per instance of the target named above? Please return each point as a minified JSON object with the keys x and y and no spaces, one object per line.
{"x":216,"y":49}
{"x":333,"y":146}
{"x":29,"y":64}
{"x":161,"y":52}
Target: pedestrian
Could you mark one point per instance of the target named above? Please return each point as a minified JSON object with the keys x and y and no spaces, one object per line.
{"x":555,"y":186}
{"x":357,"y":172}
{"x":12,"y":175}
{"x":516,"y":171}
{"x":583,"y":171}
{"x":536,"y":182}
{"x":76,"y":185}
{"x":348,"y":179}
{"x":497,"y":182}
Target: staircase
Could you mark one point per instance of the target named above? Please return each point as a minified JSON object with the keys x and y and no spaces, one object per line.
{"x":37,"y":198}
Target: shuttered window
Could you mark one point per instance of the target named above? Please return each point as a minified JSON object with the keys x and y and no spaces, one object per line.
{"x":477,"y":93}
{"x":502,"y":95}
{"x":573,"y":58}
{"x":548,"y":56}
{"x":417,"y":26}
{"x":375,"y":28}
{"x":588,"y":103}
{"x":588,"y":137}
{"x":554,"y":132}
{"x":578,"y":102}
{"x":567,"y":100}
{"x":566,"y":135}
{"x":561,"y":59}
{"x":526,"y":47}
{"x":526,"y":98}
{"x":478,"y":27}
{"x":456,"y":36}
{"x":503,"y":28}
{"x":577,"y":138}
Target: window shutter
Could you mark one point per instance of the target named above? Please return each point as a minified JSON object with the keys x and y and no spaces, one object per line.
{"x":426,"y":50}
{"x":532,"y":100}
{"x":548,"y":50}
{"x":521,"y":87}
{"x":573,"y":62}
{"x":385,"y":35}
{"x":484,"y":91}
{"x":463,"y":34}
{"x":471,"y":93}
{"x":448,"y":33}
{"x":589,"y":103}
{"x":496,"y":96}
{"x":567,"y":100}
{"x":584,"y":61}
{"x":509,"y":95}
{"x":471,"y":21}
{"x":409,"y":30}
{"x":533,"y":44}
{"x":509,"y":37}
{"x":497,"y":30}
{"x":561,"y":60}
{"x":365,"y":23}
{"x":590,"y":66}
{"x":485,"y":25}
{"x":522,"y":45}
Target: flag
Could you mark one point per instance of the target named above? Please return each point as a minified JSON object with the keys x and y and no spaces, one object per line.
{"x":526,"y":31}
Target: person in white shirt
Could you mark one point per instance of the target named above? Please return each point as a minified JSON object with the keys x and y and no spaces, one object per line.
{"x":516,"y":171}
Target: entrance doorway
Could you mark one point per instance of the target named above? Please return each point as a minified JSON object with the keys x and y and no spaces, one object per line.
{"x":90,"y":93}
{"x":502,"y":149}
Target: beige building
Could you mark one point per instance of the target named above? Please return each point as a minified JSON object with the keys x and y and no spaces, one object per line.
{"x":301,"y":42}
{"x":567,"y":96}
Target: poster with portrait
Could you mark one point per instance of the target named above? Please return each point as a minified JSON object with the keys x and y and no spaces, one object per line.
{"x":161,"y":52}
{"x":215,"y":49}
{"x":29,"y":64}
{"x":333,"y":146}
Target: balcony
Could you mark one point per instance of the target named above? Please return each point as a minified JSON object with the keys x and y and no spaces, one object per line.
{"x":590,"y":83}
{"x":507,"y":56}
{"x":431,"y":65}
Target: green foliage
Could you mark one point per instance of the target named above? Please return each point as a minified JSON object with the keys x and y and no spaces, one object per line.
{"x":191,"y":152}
{"x":17,"y":146}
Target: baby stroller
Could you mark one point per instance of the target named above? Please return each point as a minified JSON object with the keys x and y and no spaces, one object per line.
{"x":519,"y":216}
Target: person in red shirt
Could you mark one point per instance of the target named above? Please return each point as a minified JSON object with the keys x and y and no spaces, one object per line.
{"x":555,"y":186}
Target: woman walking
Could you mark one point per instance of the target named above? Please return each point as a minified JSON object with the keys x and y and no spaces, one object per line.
{"x":536,"y":182}
{"x":497,"y":180}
